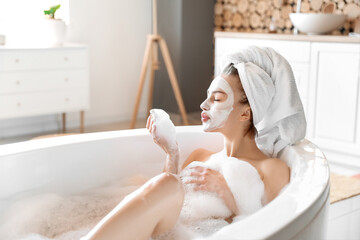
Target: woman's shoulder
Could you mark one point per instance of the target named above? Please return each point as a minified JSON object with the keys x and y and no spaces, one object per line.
{"x":199,"y":154}
{"x":276,"y":175}
{"x":274,"y":166}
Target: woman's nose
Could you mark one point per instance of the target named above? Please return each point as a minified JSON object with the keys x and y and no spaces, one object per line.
{"x":204,"y":105}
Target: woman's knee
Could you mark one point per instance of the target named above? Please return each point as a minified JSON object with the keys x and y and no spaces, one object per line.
{"x":167,"y":183}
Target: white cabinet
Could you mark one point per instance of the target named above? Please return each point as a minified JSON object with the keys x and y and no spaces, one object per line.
{"x":335,"y":99}
{"x":328,"y":80}
{"x":37,"y":81}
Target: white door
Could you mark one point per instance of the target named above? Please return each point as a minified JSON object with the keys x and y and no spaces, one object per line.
{"x":334,"y":102}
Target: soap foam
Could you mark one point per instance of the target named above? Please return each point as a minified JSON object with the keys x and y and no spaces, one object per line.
{"x":205,"y":210}
{"x":165,"y":128}
{"x":53,"y":216}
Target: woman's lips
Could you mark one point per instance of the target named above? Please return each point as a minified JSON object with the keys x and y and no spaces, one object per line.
{"x":204,"y":117}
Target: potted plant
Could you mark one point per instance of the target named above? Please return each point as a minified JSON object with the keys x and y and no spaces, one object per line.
{"x":55,"y":28}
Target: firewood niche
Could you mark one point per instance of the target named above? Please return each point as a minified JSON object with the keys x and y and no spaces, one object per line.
{"x":258,"y":15}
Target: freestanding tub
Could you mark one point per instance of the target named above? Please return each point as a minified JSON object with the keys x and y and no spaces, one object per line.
{"x":71,"y":164}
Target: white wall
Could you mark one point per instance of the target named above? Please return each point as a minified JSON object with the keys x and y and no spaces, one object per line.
{"x":115,"y":31}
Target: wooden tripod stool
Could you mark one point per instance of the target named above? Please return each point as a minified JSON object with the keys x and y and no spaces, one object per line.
{"x":153,"y":41}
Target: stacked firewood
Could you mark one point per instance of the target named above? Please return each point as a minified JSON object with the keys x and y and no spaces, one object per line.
{"x":263,"y":16}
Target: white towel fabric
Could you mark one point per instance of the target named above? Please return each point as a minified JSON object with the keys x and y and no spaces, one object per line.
{"x":270,"y":86}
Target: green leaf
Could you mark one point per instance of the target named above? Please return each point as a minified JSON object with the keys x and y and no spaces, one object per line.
{"x":52,"y":11}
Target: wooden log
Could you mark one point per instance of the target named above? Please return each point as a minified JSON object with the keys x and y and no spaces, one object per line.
{"x":285,"y":10}
{"x":347,"y":24}
{"x":305,"y":6}
{"x":252,"y":8}
{"x":276,"y":14}
{"x":356,"y":25}
{"x":316,"y":4}
{"x":341,"y":5}
{"x":218,"y":29}
{"x":277,"y":3}
{"x":287,"y":31}
{"x":227,"y":24}
{"x":294,"y":8}
{"x":246,"y":22}
{"x":288,"y":23}
{"x":227,"y":15}
{"x":218,"y":20}
{"x":237,"y":20}
{"x":227,"y":7}
{"x":242,"y":6}
{"x":280,"y":23}
{"x":218,"y":9}
{"x":254,"y":20}
{"x":234,"y":9}
{"x":268,"y":12}
{"x":352,"y":11}
{"x":261,"y":7}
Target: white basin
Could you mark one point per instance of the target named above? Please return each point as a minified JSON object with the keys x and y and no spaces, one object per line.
{"x":317,"y":23}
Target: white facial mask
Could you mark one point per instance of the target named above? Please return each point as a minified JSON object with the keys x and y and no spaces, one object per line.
{"x":218,"y":112}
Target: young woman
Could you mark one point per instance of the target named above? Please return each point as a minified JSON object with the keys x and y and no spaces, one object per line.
{"x":155,"y":207}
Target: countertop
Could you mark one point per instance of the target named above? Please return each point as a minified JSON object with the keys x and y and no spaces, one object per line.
{"x":289,"y":37}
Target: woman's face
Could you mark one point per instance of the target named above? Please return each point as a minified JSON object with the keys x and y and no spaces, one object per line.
{"x":218,"y":104}
{"x":222,"y":103}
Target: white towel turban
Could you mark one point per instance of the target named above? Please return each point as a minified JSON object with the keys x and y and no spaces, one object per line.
{"x":270,"y":87}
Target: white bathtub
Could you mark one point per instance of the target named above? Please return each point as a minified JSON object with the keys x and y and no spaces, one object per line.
{"x":74,"y":163}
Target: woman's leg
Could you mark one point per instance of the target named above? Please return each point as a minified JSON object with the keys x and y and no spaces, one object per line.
{"x":151,"y":210}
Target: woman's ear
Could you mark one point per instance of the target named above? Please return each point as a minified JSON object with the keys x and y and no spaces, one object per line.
{"x":246,"y":114}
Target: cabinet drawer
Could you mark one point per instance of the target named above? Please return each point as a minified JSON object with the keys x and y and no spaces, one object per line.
{"x":29,"y":59}
{"x":17,"y":82}
{"x":295,"y":51}
{"x":43,"y":103}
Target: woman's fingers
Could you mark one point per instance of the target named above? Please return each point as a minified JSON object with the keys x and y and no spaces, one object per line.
{"x":196,"y":181}
{"x":199,"y":168}
{"x":195,"y":173}
{"x":148,"y":122}
{"x":200,"y":188}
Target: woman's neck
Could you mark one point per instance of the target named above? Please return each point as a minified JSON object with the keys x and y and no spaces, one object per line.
{"x":243,"y":148}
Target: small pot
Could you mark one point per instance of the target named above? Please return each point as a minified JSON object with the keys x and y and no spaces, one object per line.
{"x":55,"y":31}
{"x":2,"y":39}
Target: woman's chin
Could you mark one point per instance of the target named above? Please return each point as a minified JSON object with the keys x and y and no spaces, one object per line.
{"x":208,"y":128}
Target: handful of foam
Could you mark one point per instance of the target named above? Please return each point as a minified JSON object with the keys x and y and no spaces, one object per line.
{"x":165,"y":128}
{"x":243,"y":180}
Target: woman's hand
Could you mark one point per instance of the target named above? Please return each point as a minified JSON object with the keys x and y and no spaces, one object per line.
{"x":207,"y":180}
{"x":162,"y":132}
{"x":212,"y":181}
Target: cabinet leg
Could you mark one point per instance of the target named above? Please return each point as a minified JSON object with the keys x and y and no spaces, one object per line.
{"x":63,"y":122}
{"x":82,"y":122}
